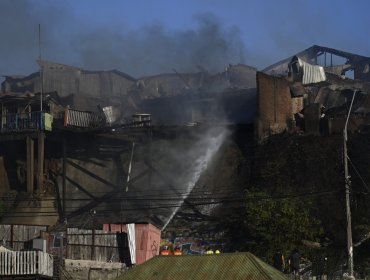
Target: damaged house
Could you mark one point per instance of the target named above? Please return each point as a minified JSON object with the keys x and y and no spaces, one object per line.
{"x":311,"y":92}
{"x":95,"y":161}
{"x":171,"y":98}
{"x":85,"y":152}
{"x":123,"y":150}
{"x":91,"y":147}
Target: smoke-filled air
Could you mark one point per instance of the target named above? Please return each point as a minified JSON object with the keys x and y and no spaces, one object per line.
{"x":140,"y":51}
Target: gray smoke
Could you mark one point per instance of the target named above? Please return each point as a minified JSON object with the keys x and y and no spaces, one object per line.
{"x":19,"y":25}
{"x":146,"y":50}
{"x":155,"y":49}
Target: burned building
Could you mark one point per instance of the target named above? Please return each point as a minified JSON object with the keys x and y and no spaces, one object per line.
{"x":98,"y":158}
{"x":310,"y":92}
{"x":90,"y":90}
{"x":130,"y":150}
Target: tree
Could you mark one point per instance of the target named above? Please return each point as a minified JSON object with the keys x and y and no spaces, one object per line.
{"x":276,"y":223}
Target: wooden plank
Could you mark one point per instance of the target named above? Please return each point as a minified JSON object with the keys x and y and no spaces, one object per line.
{"x":29,"y":262}
{"x":40,"y":263}
{"x":49,"y":263}
{"x":6,"y":262}
{"x":33,"y":262}
{"x":26,"y":263}
{"x":1,"y":263}
{"x":45,"y":264}
{"x":21,"y":263}
{"x":16,"y":263}
{"x":12,"y":263}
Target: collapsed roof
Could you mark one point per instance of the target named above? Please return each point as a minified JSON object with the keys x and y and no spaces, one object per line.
{"x":311,"y":91}
{"x":334,"y":61}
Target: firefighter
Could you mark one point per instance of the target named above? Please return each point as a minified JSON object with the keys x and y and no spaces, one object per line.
{"x":209,"y":251}
{"x":165,"y":251}
{"x":177,"y":251}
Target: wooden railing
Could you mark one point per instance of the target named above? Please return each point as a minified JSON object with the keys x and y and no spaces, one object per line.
{"x":84,"y":119}
{"x":26,"y":263}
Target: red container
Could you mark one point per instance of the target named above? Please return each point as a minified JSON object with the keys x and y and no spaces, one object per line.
{"x":147,"y":239}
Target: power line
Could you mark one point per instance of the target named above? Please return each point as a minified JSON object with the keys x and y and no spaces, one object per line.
{"x":205,"y":196}
{"x":176,"y":205}
{"x":359,"y":175}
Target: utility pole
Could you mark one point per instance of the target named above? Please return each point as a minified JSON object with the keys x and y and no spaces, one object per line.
{"x":347,"y":188}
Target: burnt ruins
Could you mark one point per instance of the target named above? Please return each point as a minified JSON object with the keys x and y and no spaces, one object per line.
{"x":126,"y":149}
{"x":120,"y":147}
{"x":311,"y":91}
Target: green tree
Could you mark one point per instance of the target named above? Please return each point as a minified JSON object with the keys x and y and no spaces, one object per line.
{"x":273,"y":223}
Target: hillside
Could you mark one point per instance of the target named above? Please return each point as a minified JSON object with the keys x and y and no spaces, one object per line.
{"x":301,"y":172}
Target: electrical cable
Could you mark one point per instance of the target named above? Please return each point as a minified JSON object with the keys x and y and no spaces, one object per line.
{"x":169,"y":206}
{"x":359,"y":175}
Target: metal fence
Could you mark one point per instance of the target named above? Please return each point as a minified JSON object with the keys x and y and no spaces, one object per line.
{"x":25,"y":121}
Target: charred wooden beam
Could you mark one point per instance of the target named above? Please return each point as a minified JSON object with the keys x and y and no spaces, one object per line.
{"x":118,"y":191}
{"x":82,"y":189}
{"x":40,"y":159}
{"x":87,"y":172}
{"x":58,"y":198}
{"x":30,"y":164}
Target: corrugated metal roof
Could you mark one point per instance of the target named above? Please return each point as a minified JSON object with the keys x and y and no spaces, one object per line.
{"x":235,"y":266}
{"x":311,"y":73}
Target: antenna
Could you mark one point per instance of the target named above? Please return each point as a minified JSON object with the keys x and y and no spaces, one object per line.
{"x":41,"y":75}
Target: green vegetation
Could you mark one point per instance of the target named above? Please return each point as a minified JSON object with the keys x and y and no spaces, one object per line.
{"x":298,"y":194}
{"x":278,"y":223}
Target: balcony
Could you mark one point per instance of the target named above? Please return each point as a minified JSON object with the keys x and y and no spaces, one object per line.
{"x":33,"y":121}
{"x":26,"y":263}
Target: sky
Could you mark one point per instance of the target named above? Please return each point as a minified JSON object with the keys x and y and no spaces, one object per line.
{"x":148,"y":37}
